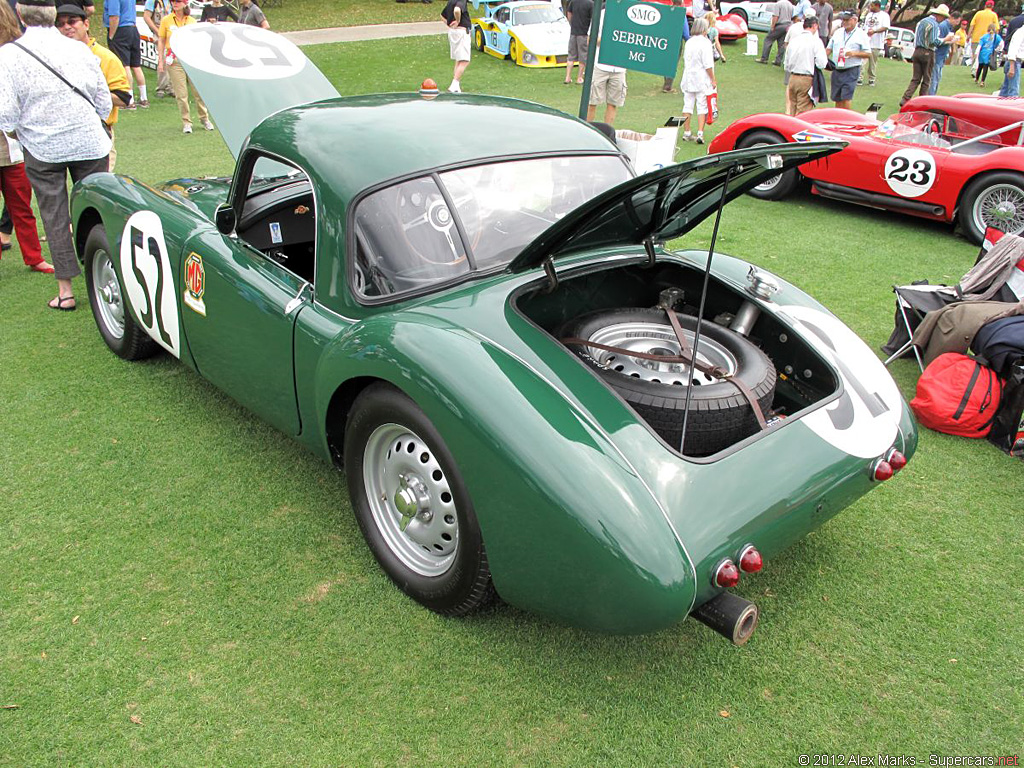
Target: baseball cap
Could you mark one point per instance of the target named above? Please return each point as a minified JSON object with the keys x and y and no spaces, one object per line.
{"x":848,"y":15}
{"x":69,"y":9}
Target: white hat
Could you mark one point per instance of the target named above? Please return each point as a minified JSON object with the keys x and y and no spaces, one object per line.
{"x":940,"y":10}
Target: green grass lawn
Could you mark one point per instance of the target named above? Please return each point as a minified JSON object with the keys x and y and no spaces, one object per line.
{"x":183,"y":585}
{"x":316,"y":14}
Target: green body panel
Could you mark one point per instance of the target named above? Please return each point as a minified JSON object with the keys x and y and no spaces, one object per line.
{"x":450,"y":130}
{"x":402,"y":134}
{"x":243,"y":342}
{"x":587,"y":515}
{"x":575,"y":533}
{"x":203,"y":195}
{"x":572,"y":491}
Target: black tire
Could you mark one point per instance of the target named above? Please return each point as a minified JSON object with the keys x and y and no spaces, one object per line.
{"x":984,"y":192}
{"x":777,"y":187}
{"x":126,"y":338}
{"x":478,"y":36}
{"x":452,"y":584}
{"x":719,"y":414}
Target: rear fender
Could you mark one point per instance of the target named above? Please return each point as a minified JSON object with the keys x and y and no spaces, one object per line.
{"x":571,"y":529}
{"x":149,"y":267}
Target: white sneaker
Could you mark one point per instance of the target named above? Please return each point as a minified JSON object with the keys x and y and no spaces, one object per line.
{"x":687,"y":136}
{"x":187,"y":128}
{"x":700,"y":138}
{"x":207,"y":125}
{"x":455,"y":87}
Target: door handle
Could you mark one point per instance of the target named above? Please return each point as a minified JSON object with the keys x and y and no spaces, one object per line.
{"x":295,"y":303}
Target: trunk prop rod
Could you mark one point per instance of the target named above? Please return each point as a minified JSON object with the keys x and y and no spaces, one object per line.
{"x":743,"y":388}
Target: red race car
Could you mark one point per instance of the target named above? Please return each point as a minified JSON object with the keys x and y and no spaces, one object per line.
{"x":942,"y":158}
{"x":730,"y":26}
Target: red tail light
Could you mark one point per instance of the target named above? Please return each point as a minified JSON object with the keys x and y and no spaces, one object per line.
{"x":727,"y":575}
{"x":881,"y":470}
{"x":750,"y":560}
{"x":896,"y":460}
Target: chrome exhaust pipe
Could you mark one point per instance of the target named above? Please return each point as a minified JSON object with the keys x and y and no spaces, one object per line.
{"x":730,"y":616}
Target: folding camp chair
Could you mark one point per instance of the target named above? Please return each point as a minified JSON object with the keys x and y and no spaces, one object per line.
{"x":914,"y":301}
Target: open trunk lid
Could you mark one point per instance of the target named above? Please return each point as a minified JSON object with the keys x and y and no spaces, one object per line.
{"x":666,"y":203}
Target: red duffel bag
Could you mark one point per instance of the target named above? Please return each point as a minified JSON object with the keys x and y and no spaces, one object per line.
{"x":957,"y":395}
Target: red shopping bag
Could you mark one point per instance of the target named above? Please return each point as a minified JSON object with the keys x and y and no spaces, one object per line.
{"x":712,"y":107}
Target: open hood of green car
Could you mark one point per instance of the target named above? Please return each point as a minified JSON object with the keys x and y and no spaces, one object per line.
{"x":666,"y":203}
{"x":245,"y":74}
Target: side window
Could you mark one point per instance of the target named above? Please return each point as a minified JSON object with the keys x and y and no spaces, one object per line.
{"x":278,"y":216}
{"x":406,"y":239}
{"x":502,"y":15}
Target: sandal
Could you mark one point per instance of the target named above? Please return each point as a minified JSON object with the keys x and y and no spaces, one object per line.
{"x":60,"y":304}
{"x":41,"y":266}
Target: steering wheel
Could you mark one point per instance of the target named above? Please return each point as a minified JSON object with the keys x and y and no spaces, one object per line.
{"x":423,"y":215}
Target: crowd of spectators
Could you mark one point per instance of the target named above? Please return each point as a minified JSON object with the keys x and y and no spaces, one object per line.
{"x":55,"y":81}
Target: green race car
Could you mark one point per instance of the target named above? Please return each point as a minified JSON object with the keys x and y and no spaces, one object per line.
{"x":493,"y":340}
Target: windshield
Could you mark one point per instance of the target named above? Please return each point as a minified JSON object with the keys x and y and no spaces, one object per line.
{"x":930,"y":129}
{"x":538,"y":14}
{"x":407,"y":237}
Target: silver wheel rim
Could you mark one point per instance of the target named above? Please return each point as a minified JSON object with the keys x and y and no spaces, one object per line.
{"x":1000,"y":206}
{"x":768,"y":184}
{"x":657,"y":339}
{"x":411,"y":500}
{"x":108,"y":294}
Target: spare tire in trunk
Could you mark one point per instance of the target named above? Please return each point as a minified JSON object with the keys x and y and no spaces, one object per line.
{"x":719,"y":414}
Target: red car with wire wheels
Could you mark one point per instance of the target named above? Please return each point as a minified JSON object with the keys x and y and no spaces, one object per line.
{"x":934,"y":160}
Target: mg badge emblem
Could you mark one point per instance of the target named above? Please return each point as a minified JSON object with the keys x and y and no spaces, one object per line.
{"x":195,"y":284}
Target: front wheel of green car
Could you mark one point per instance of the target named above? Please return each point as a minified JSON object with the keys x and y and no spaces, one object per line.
{"x":114,"y":320}
{"x":412,"y":506}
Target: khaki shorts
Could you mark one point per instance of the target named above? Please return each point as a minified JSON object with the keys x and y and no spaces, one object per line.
{"x":458,"y":44}
{"x":608,"y":87}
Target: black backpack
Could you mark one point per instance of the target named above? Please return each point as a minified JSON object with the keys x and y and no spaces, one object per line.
{"x":1001,"y":342}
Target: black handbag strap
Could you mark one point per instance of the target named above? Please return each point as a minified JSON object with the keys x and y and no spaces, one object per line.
{"x":70,"y":85}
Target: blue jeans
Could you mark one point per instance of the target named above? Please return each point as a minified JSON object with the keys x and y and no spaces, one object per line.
{"x":1011,"y":85}
{"x":940,"y":62}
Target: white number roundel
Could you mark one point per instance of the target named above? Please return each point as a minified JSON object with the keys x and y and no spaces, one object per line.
{"x":864,"y":421}
{"x":910,"y":172}
{"x":238,"y":51}
{"x":148,"y":281}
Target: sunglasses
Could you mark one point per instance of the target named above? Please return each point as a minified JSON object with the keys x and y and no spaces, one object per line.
{"x":68,"y":21}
